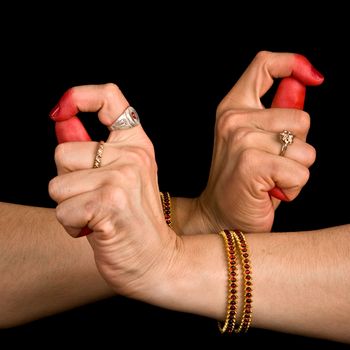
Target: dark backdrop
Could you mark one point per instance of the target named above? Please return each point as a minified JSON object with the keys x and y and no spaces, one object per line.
{"x":175,"y":85}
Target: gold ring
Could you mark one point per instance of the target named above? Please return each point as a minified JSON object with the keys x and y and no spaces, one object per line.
{"x":286,"y":138}
{"x":98,"y":157}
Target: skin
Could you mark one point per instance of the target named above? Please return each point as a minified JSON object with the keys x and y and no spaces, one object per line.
{"x":71,"y":130}
{"x":142,"y":258}
{"x":43,"y":271}
{"x":242,"y":132}
{"x":33,"y":303}
{"x":290,"y":94}
{"x":201,"y":214}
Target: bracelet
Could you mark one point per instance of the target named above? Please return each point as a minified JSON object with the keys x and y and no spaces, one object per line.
{"x":166,"y":203}
{"x":235,"y":240}
{"x":231,"y":310}
{"x":247,"y":275}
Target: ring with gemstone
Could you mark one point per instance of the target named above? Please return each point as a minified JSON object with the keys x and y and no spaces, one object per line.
{"x":286,"y":138}
{"x":128,"y":119}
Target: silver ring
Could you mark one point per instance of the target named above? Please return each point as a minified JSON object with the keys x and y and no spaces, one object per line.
{"x":127,"y":120}
{"x":286,"y":138}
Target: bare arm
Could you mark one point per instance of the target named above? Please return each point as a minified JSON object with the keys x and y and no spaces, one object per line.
{"x":300,"y":281}
{"x":43,"y":271}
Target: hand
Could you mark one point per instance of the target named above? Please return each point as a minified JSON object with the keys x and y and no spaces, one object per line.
{"x":246,"y":164}
{"x":119,"y":201}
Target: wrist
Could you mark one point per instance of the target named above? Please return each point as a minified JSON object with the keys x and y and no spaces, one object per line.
{"x":197,"y":280}
{"x":190,"y":217}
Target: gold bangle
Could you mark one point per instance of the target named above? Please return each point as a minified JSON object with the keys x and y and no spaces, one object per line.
{"x":235,"y":240}
{"x":166,"y":203}
{"x":247,"y":277}
{"x":231,"y":311}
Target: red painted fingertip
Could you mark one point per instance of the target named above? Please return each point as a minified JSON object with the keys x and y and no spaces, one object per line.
{"x":305,"y":72}
{"x":54,"y":111}
{"x":317,"y":74}
{"x":66,"y":108}
{"x":290,"y":94}
{"x":71,"y":130}
{"x":84,"y":232}
{"x":278,"y":193}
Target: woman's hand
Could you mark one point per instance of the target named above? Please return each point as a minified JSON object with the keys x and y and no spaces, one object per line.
{"x":246,"y":161}
{"x":119,"y":201}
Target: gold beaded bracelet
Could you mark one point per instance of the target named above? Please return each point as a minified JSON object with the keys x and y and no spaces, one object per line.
{"x":247,"y":275}
{"x":235,"y":240}
{"x":231,"y":310}
{"x":166,"y":203}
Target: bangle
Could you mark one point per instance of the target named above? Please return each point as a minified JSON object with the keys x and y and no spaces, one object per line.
{"x":166,"y":203}
{"x":235,"y":240}
{"x":247,"y":276}
{"x":231,"y":310}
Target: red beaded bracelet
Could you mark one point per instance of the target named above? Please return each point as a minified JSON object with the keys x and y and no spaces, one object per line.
{"x":231,"y":311}
{"x":247,"y":276}
{"x":235,"y":241}
{"x":166,"y":203}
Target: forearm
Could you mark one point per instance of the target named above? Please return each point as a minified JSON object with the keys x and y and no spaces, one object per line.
{"x":43,"y":270}
{"x":300,"y":281}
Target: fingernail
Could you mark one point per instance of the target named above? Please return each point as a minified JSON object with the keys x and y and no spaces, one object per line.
{"x":278,"y":193}
{"x":316,"y":73}
{"x":54,"y":111}
{"x":84,"y":232}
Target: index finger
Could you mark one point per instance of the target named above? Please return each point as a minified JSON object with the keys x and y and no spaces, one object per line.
{"x":105,"y":99}
{"x":259,"y":76}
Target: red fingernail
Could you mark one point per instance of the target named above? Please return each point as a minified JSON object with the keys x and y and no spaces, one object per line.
{"x":54,"y":112}
{"x":278,"y":193}
{"x":84,"y":232}
{"x":316,"y":73}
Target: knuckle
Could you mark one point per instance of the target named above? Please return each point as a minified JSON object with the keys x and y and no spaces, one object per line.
{"x":222,"y":108}
{"x":244,"y":136}
{"x":115,"y":197}
{"x":262,"y":56}
{"x":304,"y":176}
{"x":142,"y":158}
{"x":136,"y":156}
{"x":312,"y":153}
{"x":304,"y":120}
{"x":109,"y":209}
{"x":131,"y":174}
{"x":60,"y":213}
{"x":60,"y":152}
{"x":228,"y":122}
{"x":111,"y":90}
{"x":247,"y":160}
{"x":127,"y":175}
{"x":53,"y":189}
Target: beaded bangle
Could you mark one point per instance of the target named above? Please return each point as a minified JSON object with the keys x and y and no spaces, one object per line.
{"x":235,"y":240}
{"x":166,"y":203}
{"x":247,"y":276}
{"x":231,"y":311}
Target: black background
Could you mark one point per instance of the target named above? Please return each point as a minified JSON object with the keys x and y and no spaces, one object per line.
{"x":175,"y":84}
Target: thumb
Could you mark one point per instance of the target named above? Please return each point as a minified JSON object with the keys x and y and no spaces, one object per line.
{"x":259,"y":77}
{"x":290,"y":94}
{"x":71,"y":130}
